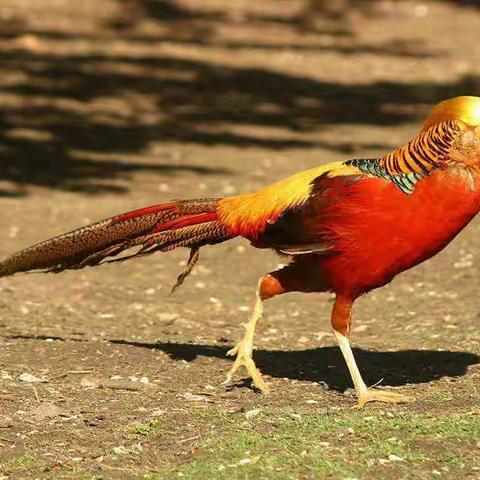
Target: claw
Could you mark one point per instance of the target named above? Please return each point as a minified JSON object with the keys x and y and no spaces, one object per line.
{"x":233,"y":351}
{"x":243,"y":350}
{"x":381,"y":396}
{"x":244,"y":358}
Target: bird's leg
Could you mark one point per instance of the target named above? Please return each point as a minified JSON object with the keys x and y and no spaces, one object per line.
{"x":243,"y":349}
{"x":293,"y":277}
{"x":341,"y":319}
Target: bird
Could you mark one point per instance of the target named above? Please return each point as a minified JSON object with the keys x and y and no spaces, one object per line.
{"x":346,"y":227}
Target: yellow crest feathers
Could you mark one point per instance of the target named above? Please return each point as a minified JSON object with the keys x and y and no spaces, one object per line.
{"x":465,"y":109}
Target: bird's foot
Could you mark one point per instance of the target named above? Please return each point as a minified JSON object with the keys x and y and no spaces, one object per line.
{"x":243,"y":351}
{"x":371,"y":395}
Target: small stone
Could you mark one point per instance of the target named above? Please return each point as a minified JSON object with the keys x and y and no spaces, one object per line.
{"x":29,"y":378}
{"x":191,"y":397}
{"x":252,"y":413}
{"x":395,"y":458}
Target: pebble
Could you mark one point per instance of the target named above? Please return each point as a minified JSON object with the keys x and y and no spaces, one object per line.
{"x":252,"y":413}
{"x":191,"y":397}
{"x":29,"y":378}
{"x":115,"y":384}
{"x":395,"y":458}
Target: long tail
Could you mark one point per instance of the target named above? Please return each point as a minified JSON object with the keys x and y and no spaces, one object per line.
{"x":160,"y":228}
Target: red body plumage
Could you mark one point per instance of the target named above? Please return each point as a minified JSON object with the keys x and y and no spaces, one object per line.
{"x":380,"y":232}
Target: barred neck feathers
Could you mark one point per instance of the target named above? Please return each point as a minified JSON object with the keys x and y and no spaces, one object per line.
{"x":428,"y":150}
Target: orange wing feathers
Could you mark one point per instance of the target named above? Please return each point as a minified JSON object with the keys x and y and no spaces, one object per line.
{"x":249,"y":214}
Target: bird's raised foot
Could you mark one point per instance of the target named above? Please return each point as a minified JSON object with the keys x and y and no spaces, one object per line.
{"x":243,"y":351}
{"x":371,"y":395}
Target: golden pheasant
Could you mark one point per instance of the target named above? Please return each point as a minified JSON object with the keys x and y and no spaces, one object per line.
{"x":347,"y":227}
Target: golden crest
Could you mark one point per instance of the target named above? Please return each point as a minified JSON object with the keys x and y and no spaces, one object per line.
{"x":465,"y":109}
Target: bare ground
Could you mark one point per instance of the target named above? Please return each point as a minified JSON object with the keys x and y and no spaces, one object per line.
{"x":109,"y":106}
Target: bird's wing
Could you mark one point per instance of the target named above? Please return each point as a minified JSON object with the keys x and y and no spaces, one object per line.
{"x":249,"y":214}
{"x":285,"y":215}
{"x":310,"y":227}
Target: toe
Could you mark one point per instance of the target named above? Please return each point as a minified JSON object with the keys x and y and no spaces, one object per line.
{"x":259,"y":382}
{"x":233,"y":351}
{"x":382,"y":396}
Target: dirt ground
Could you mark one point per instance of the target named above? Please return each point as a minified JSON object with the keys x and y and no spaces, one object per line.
{"x":113,"y":105}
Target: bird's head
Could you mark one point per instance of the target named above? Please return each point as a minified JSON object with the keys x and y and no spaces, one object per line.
{"x":464,"y":112}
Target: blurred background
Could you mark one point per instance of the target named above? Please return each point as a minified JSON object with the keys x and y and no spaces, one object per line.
{"x":100,"y":97}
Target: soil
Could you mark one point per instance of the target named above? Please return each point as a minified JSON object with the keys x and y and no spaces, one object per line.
{"x":114,"y":105}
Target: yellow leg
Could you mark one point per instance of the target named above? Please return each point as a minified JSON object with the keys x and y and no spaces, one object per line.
{"x":243,"y":350}
{"x":364,"y":394}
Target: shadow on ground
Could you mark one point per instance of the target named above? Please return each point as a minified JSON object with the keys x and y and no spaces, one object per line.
{"x":65,"y":112}
{"x":55,"y":144}
{"x":324,"y":364}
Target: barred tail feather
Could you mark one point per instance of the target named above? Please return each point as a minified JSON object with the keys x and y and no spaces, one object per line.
{"x":189,"y":223}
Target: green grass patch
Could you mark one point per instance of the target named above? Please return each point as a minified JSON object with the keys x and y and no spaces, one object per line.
{"x":146,"y":428}
{"x":290,"y":445}
{"x":22,"y":463}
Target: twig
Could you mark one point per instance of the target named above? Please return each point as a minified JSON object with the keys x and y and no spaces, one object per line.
{"x":36,"y":394}
{"x":108,"y":467}
{"x":188,"y":439}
